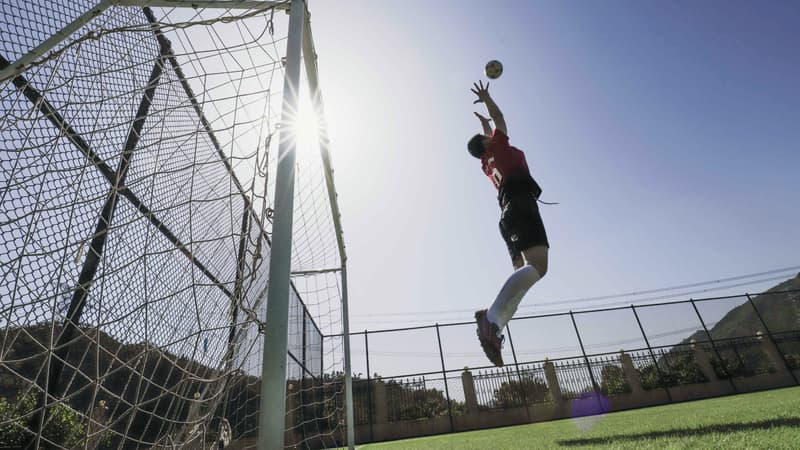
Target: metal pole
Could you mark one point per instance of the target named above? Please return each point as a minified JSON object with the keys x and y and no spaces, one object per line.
{"x":49,"y":112}
{"x":272,"y":414}
{"x":234,"y":307}
{"x":369,"y":387}
{"x":348,"y":373}
{"x":595,"y":386}
{"x":771,"y":338}
{"x":713,"y":346}
{"x":93,"y":257}
{"x":519,"y":374}
{"x":444,"y":377}
{"x":90,"y":265}
{"x":302,"y":380}
{"x":583,"y":351}
{"x":303,"y":344}
{"x":310,"y":60}
{"x":650,"y":349}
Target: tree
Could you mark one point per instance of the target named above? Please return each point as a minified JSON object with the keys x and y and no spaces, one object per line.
{"x":64,"y":426}
{"x":528,"y":389}
{"x":613,"y":380}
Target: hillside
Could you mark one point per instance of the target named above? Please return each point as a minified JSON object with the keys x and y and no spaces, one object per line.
{"x":780,"y":310}
{"x":139,"y":383}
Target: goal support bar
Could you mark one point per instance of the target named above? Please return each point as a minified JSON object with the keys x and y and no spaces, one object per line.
{"x":310,"y":60}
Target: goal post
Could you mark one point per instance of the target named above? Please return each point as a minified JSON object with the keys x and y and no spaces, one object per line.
{"x":273,"y":374}
{"x":310,"y":59}
{"x":173,"y":275}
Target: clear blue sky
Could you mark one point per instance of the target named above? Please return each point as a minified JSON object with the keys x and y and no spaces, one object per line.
{"x":668,"y":131}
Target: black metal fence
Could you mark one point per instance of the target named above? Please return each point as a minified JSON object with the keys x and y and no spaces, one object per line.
{"x":668,"y":345}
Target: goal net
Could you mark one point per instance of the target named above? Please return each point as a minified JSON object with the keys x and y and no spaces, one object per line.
{"x":138,"y":153}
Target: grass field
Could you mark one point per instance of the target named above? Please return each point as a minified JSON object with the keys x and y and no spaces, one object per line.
{"x":769,"y":420}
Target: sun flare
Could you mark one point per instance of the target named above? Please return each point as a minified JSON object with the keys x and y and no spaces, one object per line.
{"x":306,"y":124}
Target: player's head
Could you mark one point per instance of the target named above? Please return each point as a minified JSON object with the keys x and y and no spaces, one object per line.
{"x":478,"y":144}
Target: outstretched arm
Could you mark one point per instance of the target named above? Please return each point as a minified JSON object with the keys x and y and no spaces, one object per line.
{"x":487,"y":129}
{"x":494,"y":112}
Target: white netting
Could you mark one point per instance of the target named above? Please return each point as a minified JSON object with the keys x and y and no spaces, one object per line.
{"x":137,"y":167}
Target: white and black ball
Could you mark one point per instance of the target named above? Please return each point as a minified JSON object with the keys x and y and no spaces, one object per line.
{"x":493,"y":69}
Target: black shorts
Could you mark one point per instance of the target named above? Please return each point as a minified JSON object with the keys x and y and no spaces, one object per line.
{"x":520,"y":223}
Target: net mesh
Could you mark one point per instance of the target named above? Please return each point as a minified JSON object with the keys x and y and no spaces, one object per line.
{"x":137,"y":168}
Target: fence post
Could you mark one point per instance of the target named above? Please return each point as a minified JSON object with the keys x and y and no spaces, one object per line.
{"x":714,"y":346}
{"x":652,"y":354}
{"x":470,"y":398}
{"x":444,"y":377}
{"x":772,"y":339}
{"x":519,"y":374}
{"x":369,"y":388}
{"x":304,"y":343}
{"x":595,"y":386}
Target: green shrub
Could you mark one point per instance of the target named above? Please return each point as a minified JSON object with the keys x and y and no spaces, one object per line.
{"x":64,"y":425}
{"x":13,"y":428}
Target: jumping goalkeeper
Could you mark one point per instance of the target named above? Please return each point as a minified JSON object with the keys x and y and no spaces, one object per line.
{"x":520,"y":223}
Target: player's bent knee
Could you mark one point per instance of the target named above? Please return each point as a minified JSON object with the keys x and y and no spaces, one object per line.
{"x":537,"y":258}
{"x":541,"y":267}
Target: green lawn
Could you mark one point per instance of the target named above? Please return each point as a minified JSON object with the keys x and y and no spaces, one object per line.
{"x":758,"y":420}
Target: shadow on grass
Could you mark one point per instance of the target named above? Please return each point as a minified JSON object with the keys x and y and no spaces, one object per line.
{"x":687,"y":432}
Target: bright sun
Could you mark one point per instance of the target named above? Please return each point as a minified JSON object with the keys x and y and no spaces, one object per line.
{"x":306,"y":124}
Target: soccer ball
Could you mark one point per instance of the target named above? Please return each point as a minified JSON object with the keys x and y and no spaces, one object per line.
{"x":494,"y":69}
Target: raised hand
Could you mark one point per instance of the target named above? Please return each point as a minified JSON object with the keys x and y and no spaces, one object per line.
{"x":482,"y":118}
{"x":481,"y":91}
{"x":487,"y":129}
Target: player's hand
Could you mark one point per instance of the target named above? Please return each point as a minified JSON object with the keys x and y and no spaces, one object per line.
{"x":481,"y":91}
{"x":483,"y":119}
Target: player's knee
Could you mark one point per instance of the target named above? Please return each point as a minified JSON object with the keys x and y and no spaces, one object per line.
{"x":537,"y":258}
{"x":539,"y":265}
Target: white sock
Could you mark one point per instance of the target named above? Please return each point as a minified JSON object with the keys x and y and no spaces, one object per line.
{"x":505,"y":305}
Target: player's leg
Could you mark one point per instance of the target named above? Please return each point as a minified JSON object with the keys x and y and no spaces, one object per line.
{"x":489,"y":333}
{"x":517,"y":285}
{"x":523,"y":229}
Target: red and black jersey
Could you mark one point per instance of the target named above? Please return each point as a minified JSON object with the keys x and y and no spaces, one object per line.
{"x":506,"y":165}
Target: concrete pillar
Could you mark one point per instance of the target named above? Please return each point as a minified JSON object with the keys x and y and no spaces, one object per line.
{"x":552,"y":382}
{"x":470,"y":397}
{"x":633,"y":376}
{"x":701,"y":357}
{"x":381,"y":406}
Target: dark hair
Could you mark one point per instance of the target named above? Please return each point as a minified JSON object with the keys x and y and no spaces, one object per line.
{"x":475,"y":145}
